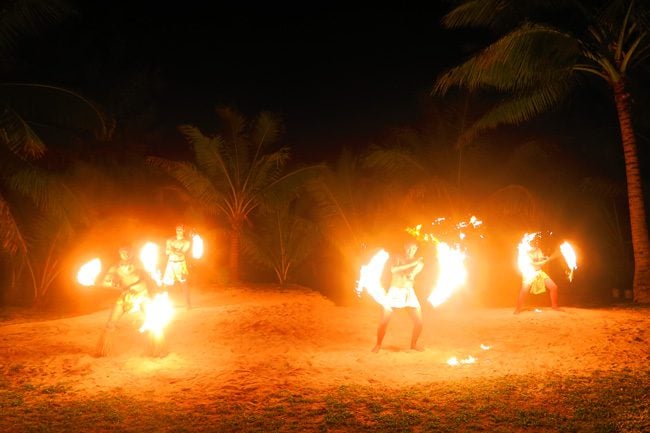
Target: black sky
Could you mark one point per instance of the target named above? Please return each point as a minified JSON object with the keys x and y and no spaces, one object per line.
{"x":338,"y":75}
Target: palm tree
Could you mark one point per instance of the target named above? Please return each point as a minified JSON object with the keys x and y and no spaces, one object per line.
{"x":536,"y":64}
{"x":26,"y":111}
{"x":234,"y":173}
{"x":283,"y":240}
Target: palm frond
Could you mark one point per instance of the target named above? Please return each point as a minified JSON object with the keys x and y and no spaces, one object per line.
{"x":53,"y":106}
{"x":283,"y":240}
{"x":524,"y":58}
{"x":18,"y":136}
{"x":432,"y":190}
{"x":394,"y":163}
{"x":265,"y":170}
{"x":495,"y":14}
{"x":265,"y":131}
{"x":11,"y":238}
{"x":518,"y":109}
{"x":46,"y":190}
{"x":290,"y":185}
{"x":196,"y":184}
{"x":238,"y":146}
{"x":207,"y":152}
{"x":20,"y":18}
{"x":513,"y":203}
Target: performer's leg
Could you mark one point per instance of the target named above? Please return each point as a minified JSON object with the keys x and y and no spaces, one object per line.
{"x":416,"y":316}
{"x":105,"y":340}
{"x":116,"y":313}
{"x":186,"y":290}
{"x":520,"y":298}
{"x":552,"y":290}
{"x":381,"y":329}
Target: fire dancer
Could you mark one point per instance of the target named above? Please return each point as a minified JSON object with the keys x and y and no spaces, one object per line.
{"x":401,"y":294}
{"x":132,"y":280}
{"x":535,"y":280}
{"x":176,"y":270}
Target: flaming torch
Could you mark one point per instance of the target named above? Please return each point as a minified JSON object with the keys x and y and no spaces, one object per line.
{"x":452,"y":273}
{"x":197,"y":246}
{"x":524,"y":262}
{"x":158,"y":314}
{"x":569,"y":257}
{"x":88,"y":272}
{"x":451,"y":261}
{"x":370,"y":277}
{"x":149,"y":257}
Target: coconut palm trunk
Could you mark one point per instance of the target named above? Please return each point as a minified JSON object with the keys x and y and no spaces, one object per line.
{"x":638,"y":224}
{"x":233,"y":259}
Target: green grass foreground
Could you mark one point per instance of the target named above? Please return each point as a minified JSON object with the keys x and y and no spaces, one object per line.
{"x":602,"y":402}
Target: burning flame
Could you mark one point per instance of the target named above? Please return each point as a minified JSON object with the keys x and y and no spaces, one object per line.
{"x":452,"y":273}
{"x":370,"y":277}
{"x":149,"y":257}
{"x":197,"y":246}
{"x":88,"y":272}
{"x":454,"y":361}
{"x":158,"y":314}
{"x":523,"y":258}
{"x":570,"y":258}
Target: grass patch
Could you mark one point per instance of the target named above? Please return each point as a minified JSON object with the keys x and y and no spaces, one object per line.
{"x":615,"y":402}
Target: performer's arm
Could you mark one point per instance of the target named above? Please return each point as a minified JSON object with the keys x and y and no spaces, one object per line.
{"x":186,"y":246}
{"x":414,"y":264}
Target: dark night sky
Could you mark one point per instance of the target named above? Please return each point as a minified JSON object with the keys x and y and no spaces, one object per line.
{"x":338,"y":75}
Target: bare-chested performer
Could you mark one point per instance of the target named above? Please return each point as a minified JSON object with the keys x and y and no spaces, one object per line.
{"x":176,"y":271}
{"x":538,"y":281}
{"x":401,"y":294}
{"x":132,"y":280}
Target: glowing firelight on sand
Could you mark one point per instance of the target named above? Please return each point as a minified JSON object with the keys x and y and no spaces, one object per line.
{"x":370,"y":277}
{"x":159,"y":313}
{"x":197,"y":246}
{"x":88,"y":272}
{"x":570,"y":257}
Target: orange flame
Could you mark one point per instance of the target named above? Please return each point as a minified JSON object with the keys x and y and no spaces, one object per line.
{"x":159,"y":313}
{"x":197,"y":246}
{"x":149,"y":257}
{"x":88,"y":272}
{"x":524,"y":261}
{"x":370,"y":277}
{"x":452,"y":273}
{"x":569,"y":257}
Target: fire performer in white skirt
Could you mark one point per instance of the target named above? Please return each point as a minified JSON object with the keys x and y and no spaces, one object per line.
{"x":401,"y":294}
{"x":176,"y":271}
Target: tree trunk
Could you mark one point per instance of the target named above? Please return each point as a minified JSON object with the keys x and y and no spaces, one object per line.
{"x":233,"y":264}
{"x":638,"y":224}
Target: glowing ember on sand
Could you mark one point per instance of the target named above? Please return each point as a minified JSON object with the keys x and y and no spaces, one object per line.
{"x":570,"y":257}
{"x":454,"y":361}
{"x":370,"y":277}
{"x":149,"y":257}
{"x":88,"y":272}
{"x":197,"y":246}
{"x":158,"y":314}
